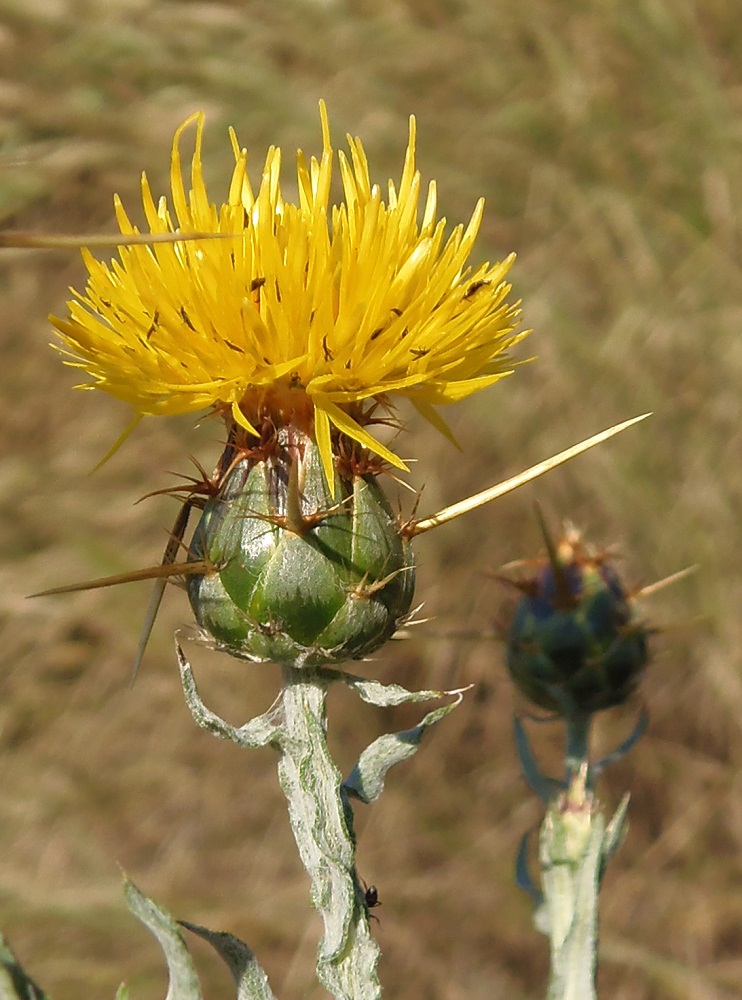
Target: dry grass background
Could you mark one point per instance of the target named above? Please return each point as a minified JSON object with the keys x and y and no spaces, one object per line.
{"x":607,"y":139}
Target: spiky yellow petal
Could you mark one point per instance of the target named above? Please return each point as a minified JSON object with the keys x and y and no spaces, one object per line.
{"x":344,"y":304}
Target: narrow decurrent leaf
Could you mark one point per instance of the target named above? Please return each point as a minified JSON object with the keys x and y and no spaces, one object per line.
{"x":251,"y":980}
{"x":183,"y":983}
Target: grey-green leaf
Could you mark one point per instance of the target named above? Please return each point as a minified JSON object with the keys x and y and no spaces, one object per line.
{"x":615,"y":831}
{"x":258,"y":732}
{"x":183,"y":984}
{"x":382,"y":695}
{"x":251,"y":980}
{"x":366,"y":781}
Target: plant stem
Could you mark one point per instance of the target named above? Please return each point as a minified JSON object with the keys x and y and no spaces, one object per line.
{"x":574,"y":849}
{"x":571,"y":854}
{"x":578,"y":743}
{"x":319,"y":809}
{"x":322,"y":823}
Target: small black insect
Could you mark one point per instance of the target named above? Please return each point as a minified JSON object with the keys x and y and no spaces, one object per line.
{"x":372,"y":897}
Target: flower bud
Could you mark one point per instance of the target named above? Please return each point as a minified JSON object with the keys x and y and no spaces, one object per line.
{"x":301,"y":574}
{"x":575,"y":642}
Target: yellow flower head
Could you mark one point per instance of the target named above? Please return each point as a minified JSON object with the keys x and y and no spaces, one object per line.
{"x":307,"y":311}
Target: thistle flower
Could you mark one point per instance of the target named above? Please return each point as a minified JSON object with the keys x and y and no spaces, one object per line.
{"x":301,"y":313}
{"x":297,"y":323}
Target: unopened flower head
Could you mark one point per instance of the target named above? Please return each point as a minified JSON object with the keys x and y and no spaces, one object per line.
{"x":576,"y":643}
{"x":309,"y":313}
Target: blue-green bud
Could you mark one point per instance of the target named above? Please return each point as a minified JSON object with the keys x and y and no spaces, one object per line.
{"x":575,"y":642}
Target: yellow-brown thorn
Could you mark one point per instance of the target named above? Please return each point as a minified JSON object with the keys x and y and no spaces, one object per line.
{"x":201,"y":567}
{"x":529,"y":586}
{"x":406,"y":527}
{"x":364,"y":590}
{"x":652,"y":588}
{"x":563,"y":596}
{"x":357,"y":462}
{"x":413,"y":527}
{"x":205,"y":486}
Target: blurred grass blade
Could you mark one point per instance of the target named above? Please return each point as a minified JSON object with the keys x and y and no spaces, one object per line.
{"x":15,"y":984}
{"x":183,"y":983}
{"x":251,"y":980}
{"x":129,"y":429}
{"x":414,"y":528}
{"x":18,"y":240}
{"x":168,"y":559}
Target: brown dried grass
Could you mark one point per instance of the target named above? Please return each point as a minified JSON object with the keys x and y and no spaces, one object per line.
{"x":606,"y":139}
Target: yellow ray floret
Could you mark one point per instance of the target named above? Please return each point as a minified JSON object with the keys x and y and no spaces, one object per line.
{"x":345,"y":303}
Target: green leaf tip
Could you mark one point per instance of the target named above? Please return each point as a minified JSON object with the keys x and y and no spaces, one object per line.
{"x":183,"y":981}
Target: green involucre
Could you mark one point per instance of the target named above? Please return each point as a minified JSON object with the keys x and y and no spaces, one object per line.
{"x":334,"y":591}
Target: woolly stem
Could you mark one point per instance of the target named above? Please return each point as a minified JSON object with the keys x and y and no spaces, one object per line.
{"x":574,"y":848}
{"x":571,"y":857}
{"x":322,"y":823}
